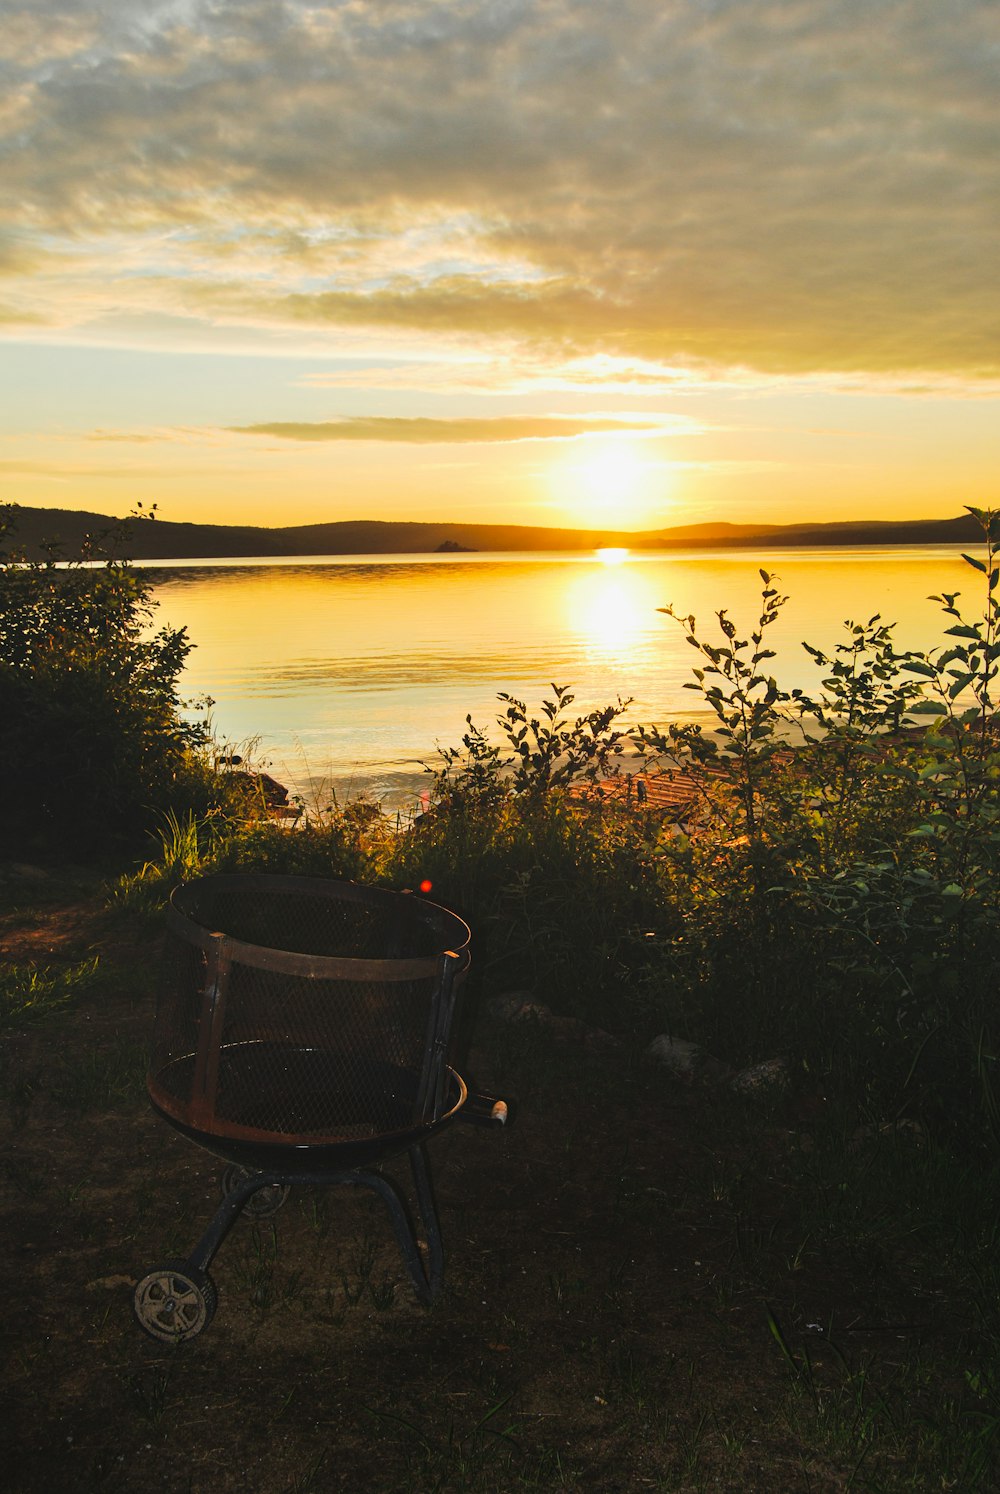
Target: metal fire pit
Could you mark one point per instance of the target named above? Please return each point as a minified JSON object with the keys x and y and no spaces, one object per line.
{"x":302,"y":1035}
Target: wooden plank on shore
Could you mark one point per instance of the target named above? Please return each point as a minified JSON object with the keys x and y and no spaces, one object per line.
{"x":674,"y":792}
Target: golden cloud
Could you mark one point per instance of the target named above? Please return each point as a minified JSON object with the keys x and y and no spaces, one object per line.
{"x":790,"y":188}
{"x":428,"y":431}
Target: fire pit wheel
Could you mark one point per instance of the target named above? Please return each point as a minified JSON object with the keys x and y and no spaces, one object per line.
{"x":267,"y":1200}
{"x":175,"y":1302}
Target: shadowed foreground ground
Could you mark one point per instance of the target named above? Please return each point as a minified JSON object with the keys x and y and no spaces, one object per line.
{"x":648,"y":1286}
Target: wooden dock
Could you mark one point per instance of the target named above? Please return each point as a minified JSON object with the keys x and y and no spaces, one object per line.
{"x":676,"y":794}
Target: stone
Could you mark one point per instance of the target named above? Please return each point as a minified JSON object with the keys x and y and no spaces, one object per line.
{"x":676,"y":1054}
{"x":512,"y":1005}
{"x":23,"y":871}
{"x":273,"y":793}
{"x":761,"y":1077}
{"x":686,"y":1060}
{"x":520,"y":1006}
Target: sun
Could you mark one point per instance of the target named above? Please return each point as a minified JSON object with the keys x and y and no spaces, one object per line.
{"x":606,"y":481}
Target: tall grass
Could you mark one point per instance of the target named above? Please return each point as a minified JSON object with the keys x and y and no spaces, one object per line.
{"x":29,"y":995}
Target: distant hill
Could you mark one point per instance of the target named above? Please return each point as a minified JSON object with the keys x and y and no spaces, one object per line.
{"x":963,"y":530}
{"x":164,"y":539}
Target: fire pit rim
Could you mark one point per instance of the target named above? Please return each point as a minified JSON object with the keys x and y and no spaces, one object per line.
{"x":441,"y":921}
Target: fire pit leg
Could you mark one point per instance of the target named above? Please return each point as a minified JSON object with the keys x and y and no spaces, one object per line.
{"x":428,"y":1214}
{"x":427,"y":1277}
{"x":266,"y":1200}
{"x":226,"y":1215}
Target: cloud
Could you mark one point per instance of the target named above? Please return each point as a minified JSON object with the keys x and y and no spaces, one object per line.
{"x":524,"y":374}
{"x":16,"y":317}
{"x":423,"y":431}
{"x":783,"y":185}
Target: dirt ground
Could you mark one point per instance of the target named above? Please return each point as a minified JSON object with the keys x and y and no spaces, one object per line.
{"x":617,"y":1261}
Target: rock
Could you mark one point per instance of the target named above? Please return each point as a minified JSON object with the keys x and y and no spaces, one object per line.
{"x":262,"y":785}
{"x":511,"y":1005}
{"x":688,"y":1061}
{"x":761,"y":1077}
{"x":674,"y":1053}
{"x":520,"y":1006}
{"x":23,"y":871}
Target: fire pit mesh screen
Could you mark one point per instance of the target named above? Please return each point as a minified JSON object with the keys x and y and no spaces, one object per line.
{"x":302,"y":1011}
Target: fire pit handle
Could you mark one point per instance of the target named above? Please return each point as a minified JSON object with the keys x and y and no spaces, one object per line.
{"x":485,"y":1110}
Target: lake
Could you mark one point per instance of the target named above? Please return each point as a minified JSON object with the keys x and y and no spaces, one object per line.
{"x":349,"y":670}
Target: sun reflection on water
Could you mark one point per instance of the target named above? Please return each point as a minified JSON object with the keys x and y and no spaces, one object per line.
{"x":611,"y":606}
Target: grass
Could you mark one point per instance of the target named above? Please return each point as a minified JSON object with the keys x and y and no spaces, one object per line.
{"x":29,"y":995}
{"x":109,"y":1078}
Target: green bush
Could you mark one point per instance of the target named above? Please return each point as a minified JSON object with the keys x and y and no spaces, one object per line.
{"x":92,"y":738}
{"x":839,"y":900}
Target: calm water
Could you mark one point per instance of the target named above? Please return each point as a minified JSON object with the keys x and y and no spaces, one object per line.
{"x":350,"y":671}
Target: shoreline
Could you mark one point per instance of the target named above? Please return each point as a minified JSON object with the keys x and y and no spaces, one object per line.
{"x":150,"y":539}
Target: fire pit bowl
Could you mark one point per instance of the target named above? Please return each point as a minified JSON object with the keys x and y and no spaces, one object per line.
{"x":301,"y":1035}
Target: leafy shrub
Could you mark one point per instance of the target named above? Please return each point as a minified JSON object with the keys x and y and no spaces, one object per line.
{"x":92,"y":739}
{"x":841,"y":904}
{"x":547,"y":752}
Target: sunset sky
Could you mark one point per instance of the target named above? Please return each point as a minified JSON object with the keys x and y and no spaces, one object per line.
{"x":546,"y":261}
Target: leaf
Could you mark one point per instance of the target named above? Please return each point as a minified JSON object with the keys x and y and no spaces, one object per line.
{"x":928,"y":708}
{"x":919,"y":666}
{"x":976,"y":564}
